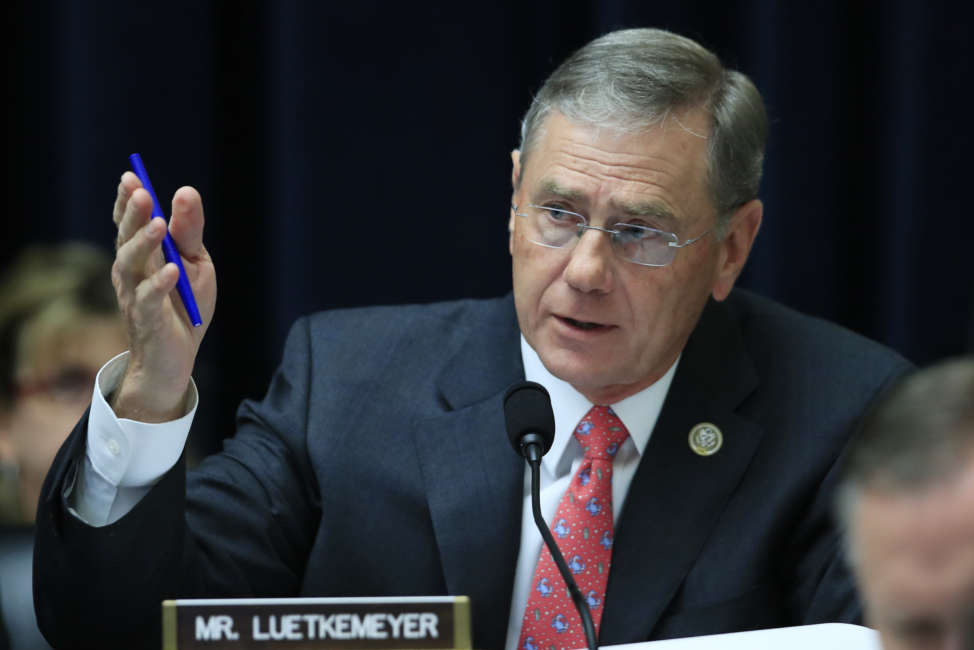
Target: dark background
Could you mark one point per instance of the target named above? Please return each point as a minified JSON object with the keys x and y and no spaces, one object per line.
{"x":358,"y":152}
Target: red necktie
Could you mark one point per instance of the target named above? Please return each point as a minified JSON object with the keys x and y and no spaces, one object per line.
{"x":583,"y":529}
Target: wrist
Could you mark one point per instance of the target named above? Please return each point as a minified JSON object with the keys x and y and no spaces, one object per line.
{"x":142,"y":400}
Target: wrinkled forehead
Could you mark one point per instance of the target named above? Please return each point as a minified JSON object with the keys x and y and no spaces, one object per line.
{"x":661,"y":168}
{"x":693,"y":121}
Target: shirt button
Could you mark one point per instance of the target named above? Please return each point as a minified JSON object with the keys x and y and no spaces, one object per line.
{"x":114,"y":448}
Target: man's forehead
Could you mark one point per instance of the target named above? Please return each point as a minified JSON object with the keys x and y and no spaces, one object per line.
{"x":922,"y":540}
{"x":919,"y":513}
{"x":694,"y":122}
{"x":648,"y":168}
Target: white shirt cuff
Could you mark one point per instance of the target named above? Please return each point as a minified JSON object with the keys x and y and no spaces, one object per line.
{"x":124,"y":458}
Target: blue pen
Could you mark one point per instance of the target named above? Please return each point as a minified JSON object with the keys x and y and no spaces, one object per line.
{"x":169,"y":250}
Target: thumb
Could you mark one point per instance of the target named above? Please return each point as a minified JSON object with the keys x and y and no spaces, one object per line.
{"x":186,"y":222}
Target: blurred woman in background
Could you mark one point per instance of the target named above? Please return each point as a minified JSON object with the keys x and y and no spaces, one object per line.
{"x":59,"y":324}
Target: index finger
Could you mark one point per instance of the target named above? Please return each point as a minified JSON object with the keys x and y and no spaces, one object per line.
{"x":126,"y":185}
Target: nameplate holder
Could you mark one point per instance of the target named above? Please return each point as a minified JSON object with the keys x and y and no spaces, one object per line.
{"x":317,"y":623}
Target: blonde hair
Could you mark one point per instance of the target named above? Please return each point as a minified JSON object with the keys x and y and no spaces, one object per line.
{"x":43,"y":294}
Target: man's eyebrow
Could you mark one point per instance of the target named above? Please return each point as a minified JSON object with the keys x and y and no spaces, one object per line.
{"x":551,"y":187}
{"x":656,"y":211}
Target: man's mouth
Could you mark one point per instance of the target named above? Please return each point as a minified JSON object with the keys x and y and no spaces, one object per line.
{"x":581,"y":324}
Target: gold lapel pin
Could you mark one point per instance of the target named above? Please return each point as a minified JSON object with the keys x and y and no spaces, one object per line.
{"x":706,"y":439}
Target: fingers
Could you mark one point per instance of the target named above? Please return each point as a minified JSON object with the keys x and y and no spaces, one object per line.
{"x":135,"y":215}
{"x":132,"y":257}
{"x":128,"y":184}
{"x":150,"y":295}
{"x":133,"y":208}
{"x":186,"y":223}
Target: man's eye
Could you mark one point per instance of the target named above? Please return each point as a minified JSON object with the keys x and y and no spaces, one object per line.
{"x":919,"y":633}
{"x":72,"y":382}
{"x":560,"y":216}
{"x":633,"y":233}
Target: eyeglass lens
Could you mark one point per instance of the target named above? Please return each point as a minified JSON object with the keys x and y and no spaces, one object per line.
{"x":556,"y":228}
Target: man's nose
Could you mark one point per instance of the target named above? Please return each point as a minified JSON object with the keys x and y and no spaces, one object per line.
{"x":590,"y":268}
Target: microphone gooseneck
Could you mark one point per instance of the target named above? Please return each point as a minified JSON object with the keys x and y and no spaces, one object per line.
{"x":531,"y":430}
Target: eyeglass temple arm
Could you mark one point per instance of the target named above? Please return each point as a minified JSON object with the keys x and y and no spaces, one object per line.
{"x":673,"y":244}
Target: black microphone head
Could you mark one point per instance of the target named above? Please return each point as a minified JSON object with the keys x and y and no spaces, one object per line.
{"x":527,"y":409}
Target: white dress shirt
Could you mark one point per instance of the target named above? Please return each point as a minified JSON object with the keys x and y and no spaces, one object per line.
{"x":125,"y":458}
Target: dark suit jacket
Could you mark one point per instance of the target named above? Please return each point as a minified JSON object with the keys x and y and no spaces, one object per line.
{"x":378,"y":464}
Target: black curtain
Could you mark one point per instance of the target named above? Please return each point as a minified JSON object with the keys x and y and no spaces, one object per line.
{"x":358,"y":153}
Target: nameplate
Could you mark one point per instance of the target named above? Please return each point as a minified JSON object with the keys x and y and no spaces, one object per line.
{"x":317,"y":623}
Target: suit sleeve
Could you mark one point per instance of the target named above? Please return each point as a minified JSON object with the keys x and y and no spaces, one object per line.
{"x":240,"y":524}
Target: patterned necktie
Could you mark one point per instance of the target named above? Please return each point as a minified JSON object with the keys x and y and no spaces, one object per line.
{"x":583,"y":530}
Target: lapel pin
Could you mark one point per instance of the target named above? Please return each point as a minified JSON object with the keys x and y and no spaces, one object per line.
{"x":706,"y":439}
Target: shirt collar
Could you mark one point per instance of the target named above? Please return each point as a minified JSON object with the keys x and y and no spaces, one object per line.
{"x":638,"y":412}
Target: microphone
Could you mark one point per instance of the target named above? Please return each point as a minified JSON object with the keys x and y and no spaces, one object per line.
{"x":531,"y":429}
{"x":530,"y":422}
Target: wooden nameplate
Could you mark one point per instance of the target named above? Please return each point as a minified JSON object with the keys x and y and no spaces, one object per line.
{"x":317,"y":623}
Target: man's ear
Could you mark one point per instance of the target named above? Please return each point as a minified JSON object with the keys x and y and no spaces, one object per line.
{"x":515,"y":168}
{"x":736,"y":246}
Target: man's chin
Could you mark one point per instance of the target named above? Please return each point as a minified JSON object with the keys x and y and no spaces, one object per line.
{"x":578,"y":370}
{"x":593,"y":377}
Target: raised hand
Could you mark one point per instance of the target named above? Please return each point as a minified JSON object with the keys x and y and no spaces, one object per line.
{"x":162,"y":341}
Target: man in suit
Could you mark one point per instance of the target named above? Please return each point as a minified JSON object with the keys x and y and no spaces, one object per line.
{"x":905,"y":500}
{"x":378,"y":463}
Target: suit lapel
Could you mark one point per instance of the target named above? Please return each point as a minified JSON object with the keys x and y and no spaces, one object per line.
{"x":473,"y":479}
{"x":676,"y":495}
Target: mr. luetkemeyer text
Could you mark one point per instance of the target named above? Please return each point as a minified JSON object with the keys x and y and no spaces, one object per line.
{"x":300,"y":627}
